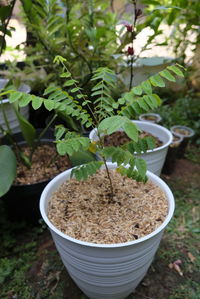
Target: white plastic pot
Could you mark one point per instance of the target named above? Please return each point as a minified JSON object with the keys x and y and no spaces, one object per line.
{"x":106,"y":271}
{"x":156,"y":118}
{"x":182,"y":131}
{"x":10,"y":114}
{"x":145,"y":67}
{"x":154,"y":158}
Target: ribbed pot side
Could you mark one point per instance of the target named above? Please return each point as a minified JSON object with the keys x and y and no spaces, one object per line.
{"x":154,"y":158}
{"x":106,"y":271}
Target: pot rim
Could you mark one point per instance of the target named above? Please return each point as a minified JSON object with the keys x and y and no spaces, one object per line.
{"x":156,"y":115}
{"x":154,"y":178}
{"x":149,"y":124}
{"x":189,"y":130}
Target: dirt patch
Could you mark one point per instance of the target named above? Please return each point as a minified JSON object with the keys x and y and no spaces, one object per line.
{"x":186,"y":171}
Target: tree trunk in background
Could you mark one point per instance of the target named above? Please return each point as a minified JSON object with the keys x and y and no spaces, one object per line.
{"x":195,"y":77}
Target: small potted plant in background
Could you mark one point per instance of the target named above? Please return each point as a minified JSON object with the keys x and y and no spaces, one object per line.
{"x":152,"y":117}
{"x":172,"y":155}
{"x":186,"y":133}
{"x":104,"y":258}
{"x":154,"y":158}
{"x":28,"y":160}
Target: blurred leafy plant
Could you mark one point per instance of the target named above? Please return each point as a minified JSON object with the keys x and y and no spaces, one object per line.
{"x":6,"y":10}
{"x":183,"y":19}
{"x":83,"y":32}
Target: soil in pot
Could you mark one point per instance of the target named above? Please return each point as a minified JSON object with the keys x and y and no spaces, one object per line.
{"x":119,"y":138}
{"x":22,"y":200}
{"x":46,"y":163}
{"x":86,"y":211}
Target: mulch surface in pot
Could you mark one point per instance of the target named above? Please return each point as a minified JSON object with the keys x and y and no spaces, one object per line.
{"x":119,"y":138}
{"x":46,"y":164}
{"x":183,"y":132}
{"x":85,"y":211}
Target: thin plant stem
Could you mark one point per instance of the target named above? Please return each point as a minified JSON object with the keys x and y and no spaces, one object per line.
{"x":41,"y":135}
{"x":106,"y":167}
{"x":133,"y":36}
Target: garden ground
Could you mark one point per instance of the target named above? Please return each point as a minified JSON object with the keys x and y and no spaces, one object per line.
{"x":30,"y":267}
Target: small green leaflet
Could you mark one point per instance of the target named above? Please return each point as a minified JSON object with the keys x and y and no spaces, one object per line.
{"x":141,"y":167}
{"x":176,"y":70}
{"x":15,"y":96}
{"x":36,"y":102}
{"x":49,"y":105}
{"x":156,"y":80}
{"x":146,"y":86}
{"x":167,"y":75}
{"x":137,"y":90}
{"x":72,"y":145}
{"x":65,"y":75}
{"x":86,"y":170}
{"x":24,"y":100}
{"x":112,"y":124}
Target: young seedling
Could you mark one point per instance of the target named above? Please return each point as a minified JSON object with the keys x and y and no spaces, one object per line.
{"x":106,"y":114}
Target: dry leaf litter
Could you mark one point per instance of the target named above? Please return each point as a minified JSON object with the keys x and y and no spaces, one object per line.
{"x":85,"y":211}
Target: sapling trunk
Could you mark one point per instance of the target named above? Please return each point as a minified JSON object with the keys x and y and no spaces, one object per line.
{"x":41,"y":135}
{"x":106,"y":167}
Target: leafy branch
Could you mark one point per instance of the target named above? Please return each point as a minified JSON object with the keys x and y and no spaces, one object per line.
{"x":109,"y":116}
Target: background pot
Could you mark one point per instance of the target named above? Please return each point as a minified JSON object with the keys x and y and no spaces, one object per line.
{"x":21,"y":201}
{"x":154,"y":158}
{"x":186,"y":133}
{"x":12,"y":119}
{"x":151,"y":117}
{"x":105,"y":271}
{"x":172,"y":155}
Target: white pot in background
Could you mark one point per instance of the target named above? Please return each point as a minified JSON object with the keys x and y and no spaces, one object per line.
{"x":145,"y":67}
{"x":154,"y":158}
{"x":12,"y":119}
{"x":152,"y":117}
{"x":106,"y":271}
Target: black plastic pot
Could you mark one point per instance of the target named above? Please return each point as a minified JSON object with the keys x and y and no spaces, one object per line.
{"x":172,"y":155}
{"x":186,"y":133}
{"x":22,"y":201}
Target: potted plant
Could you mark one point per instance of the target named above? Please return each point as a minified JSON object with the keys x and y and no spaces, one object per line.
{"x":186,"y":133}
{"x":172,"y":155}
{"x":28,"y":161}
{"x":152,"y":117}
{"x":154,"y":156}
{"x":102,"y":269}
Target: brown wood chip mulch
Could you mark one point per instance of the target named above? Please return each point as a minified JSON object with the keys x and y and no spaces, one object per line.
{"x":84,"y":210}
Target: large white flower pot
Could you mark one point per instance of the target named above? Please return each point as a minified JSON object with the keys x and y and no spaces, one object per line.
{"x":106,"y":271}
{"x":10,"y":114}
{"x":154,"y":158}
